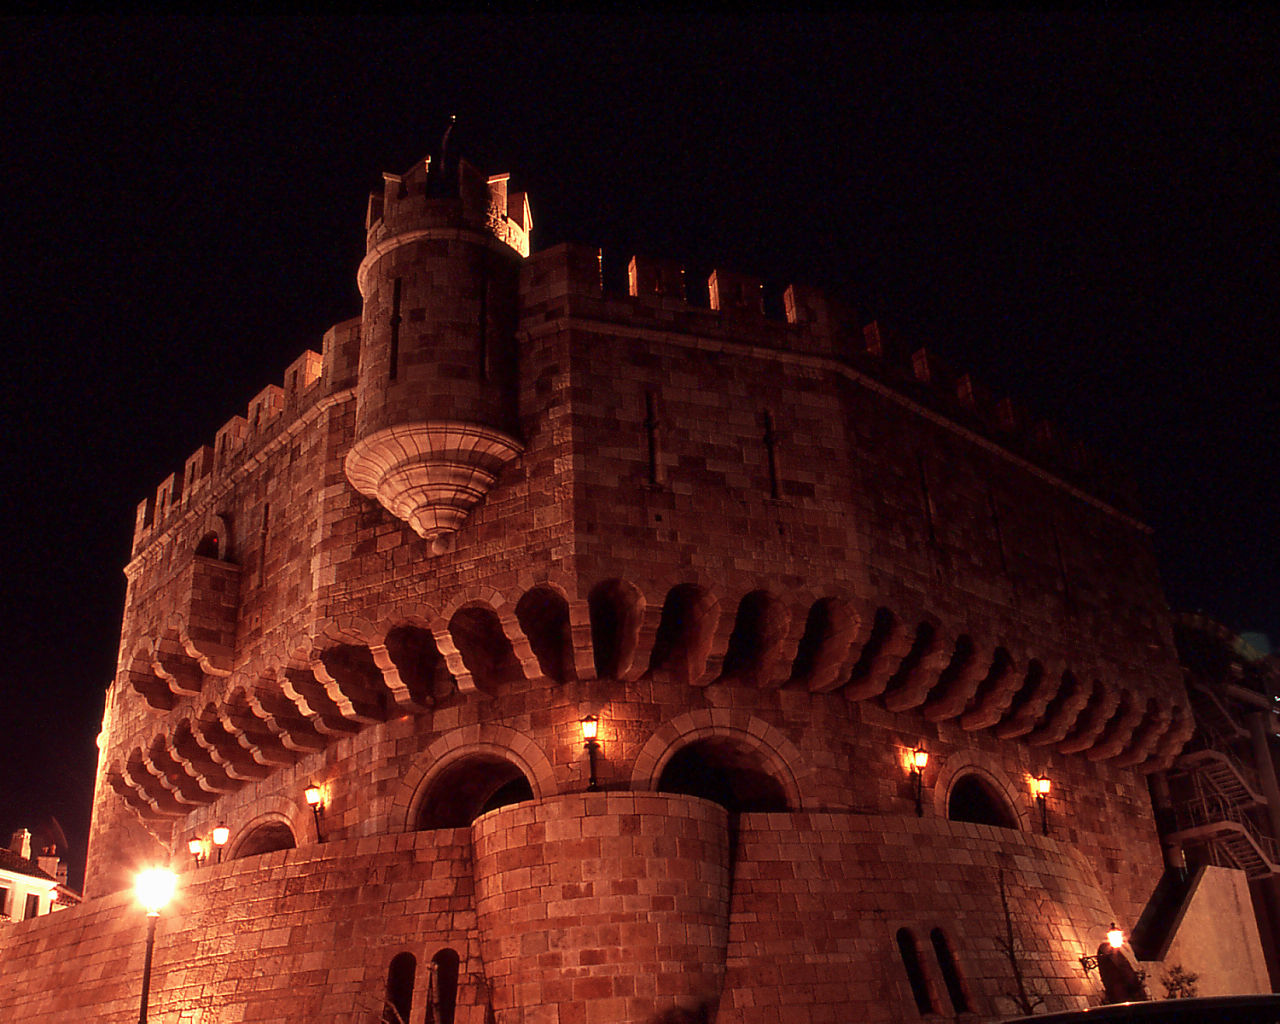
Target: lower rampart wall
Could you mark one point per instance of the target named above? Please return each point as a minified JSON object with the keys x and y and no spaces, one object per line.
{"x":819,"y":902}
{"x":297,"y":935}
{"x":596,"y":907}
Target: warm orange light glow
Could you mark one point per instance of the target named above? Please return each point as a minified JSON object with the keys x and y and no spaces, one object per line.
{"x":220,"y":835}
{"x":313,"y":795}
{"x":919,"y":758}
{"x":1043,"y":785}
{"x":154,"y":888}
{"x":1115,"y":936}
{"x":590,"y":725}
{"x":196,"y":847}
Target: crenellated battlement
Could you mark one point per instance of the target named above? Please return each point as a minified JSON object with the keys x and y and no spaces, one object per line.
{"x":427,"y":197}
{"x":235,"y":441}
{"x":730,"y":305}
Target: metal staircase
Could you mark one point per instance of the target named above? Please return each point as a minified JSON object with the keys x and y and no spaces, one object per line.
{"x":1215,"y":814}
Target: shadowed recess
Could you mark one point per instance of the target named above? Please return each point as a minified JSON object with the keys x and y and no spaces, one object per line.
{"x":973,"y":799}
{"x":724,"y":772}
{"x":421,"y":666}
{"x":758,"y":633}
{"x":616,"y":608}
{"x":484,"y":647}
{"x":470,"y":787}
{"x":543,"y":614}
{"x":266,"y":838}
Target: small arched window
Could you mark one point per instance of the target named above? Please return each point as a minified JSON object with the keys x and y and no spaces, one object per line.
{"x":974,"y":799}
{"x":208,"y":546}
{"x":442,"y":995}
{"x":950,"y":972}
{"x":399,"y":1000}
{"x":915,"y":971}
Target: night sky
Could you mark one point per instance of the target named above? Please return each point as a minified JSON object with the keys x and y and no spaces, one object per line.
{"x":1080,"y":209}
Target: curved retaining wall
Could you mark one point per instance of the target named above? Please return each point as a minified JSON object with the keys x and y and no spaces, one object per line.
{"x":602,"y":907}
{"x":819,"y":899}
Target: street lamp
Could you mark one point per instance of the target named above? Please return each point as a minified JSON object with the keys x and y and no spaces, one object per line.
{"x":196,"y":848}
{"x":154,"y":888}
{"x":590,"y":727}
{"x":919,"y":761}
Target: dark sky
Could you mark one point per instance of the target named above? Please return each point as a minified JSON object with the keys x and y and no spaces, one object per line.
{"x":1081,"y":209}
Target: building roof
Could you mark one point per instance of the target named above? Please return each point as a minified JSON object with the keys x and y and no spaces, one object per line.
{"x":10,"y":861}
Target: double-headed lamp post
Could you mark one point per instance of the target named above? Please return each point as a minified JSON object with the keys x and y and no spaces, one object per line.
{"x":154,"y":888}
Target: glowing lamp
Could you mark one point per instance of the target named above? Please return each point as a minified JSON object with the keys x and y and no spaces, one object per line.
{"x":195,"y":847}
{"x":154,"y":888}
{"x":590,"y":728}
{"x":315,"y":800}
{"x":919,"y":759}
{"x":220,"y":835}
{"x":1115,"y":937}
{"x":1041,"y":785}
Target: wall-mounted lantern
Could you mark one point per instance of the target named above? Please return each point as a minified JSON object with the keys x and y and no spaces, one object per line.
{"x":1120,"y":981}
{"x":197,"y":850}
{"x":590,"y":727}
{"x":1042,"y":786}
{"x":220,"y":836}
{"x":315,"y":800}
{"x":919,"y":761}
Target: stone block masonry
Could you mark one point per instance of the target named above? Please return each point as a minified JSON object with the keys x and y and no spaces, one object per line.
{"x":772,"y":558}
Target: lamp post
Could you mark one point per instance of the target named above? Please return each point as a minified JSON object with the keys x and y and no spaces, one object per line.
{"x":154,"y":888}
{"x":590,"y":726}
{"x":1042,"y":786}
{"x":919,"y":761}
{"x":196,"y":848}
{"x":315,"y":800}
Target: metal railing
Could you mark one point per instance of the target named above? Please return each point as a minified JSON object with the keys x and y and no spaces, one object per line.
{"x":1212,"y":809}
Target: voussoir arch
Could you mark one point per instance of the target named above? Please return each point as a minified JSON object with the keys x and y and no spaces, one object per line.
{"x":955,"y":769}
{"x":469,"y":741}
{"x":777,"y":753}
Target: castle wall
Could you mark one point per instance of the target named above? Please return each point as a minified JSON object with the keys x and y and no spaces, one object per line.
{"x":304,"y":934}
{"x":414,"y":564}
{"x":787,"y":948}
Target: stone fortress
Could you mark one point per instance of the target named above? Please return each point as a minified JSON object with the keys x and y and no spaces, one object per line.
{"x":771,"y":557}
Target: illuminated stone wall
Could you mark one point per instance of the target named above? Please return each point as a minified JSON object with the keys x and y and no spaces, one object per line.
{"x":773,"y":550}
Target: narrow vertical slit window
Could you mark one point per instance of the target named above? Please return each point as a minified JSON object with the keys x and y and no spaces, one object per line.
{"x":915,"y":971}
{"x":926,"y":502}
{"x":651,"y":426}
{"x":442,"y":991}
{"x":399,"y":998}
{"x":950,"y":972}
{"x":262,"y":542}
{"x":994,"y":511}
{"x":395,"y":328}
{"x":483,"y":340}
{"x":771,"y":453}
{"x":1062,"y":569}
